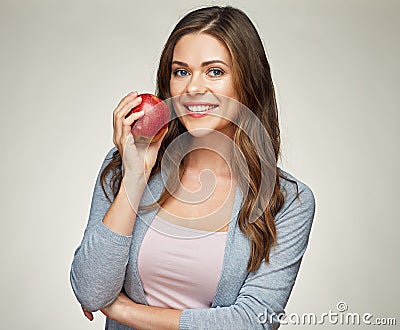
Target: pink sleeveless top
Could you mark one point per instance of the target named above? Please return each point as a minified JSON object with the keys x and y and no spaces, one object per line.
{"x":180,"y":267}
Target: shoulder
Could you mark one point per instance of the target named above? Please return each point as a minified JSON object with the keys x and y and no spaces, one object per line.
{"x":290,"y":186}
{"x":299,"y":198}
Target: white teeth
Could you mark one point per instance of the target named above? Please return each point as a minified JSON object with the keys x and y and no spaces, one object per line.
{"x":200,"y":108}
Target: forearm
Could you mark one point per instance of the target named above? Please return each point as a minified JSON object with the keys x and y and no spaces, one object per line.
{"x":157,"y":318}
{"x":99,"y":265}
{"x":142,"y":317}
{"x":120,"y":217}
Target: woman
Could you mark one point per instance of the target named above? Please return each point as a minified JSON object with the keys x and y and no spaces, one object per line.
{"x":239,"y":267}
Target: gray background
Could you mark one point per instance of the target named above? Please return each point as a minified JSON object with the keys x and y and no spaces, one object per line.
{"x":66,"y":64}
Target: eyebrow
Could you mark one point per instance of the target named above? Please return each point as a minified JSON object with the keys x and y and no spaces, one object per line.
{"x":202,"y":64}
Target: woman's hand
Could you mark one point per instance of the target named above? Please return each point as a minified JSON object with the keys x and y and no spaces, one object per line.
{"x":138,"y":159}
{"x":88,"y":314}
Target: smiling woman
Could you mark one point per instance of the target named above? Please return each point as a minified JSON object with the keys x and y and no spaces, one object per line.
{"x":224,"y":245}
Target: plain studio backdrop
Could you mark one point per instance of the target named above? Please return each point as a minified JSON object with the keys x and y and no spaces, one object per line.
{"x":66,"y":64}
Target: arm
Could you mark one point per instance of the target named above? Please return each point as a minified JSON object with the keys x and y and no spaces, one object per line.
{"x":98,"y":268}
{"x":99,"y":265}
{"x":264,"y":294}
{"x":140,"y":317}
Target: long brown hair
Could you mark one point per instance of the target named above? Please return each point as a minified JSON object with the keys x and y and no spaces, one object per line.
{"x":255,"y":89}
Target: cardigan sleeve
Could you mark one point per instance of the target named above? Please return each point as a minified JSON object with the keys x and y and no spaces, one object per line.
{"x":265,"y":292}
{"x":98,"y":267}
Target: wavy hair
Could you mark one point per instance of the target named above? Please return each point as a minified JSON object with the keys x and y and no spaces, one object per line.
{"x":255,"y":89}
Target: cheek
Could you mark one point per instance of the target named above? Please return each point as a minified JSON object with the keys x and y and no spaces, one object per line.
{"x":225,"y":87}
{"x":175,"y":87}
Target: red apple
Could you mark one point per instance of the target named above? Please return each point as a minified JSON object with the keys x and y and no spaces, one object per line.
{"x":150,"y":127}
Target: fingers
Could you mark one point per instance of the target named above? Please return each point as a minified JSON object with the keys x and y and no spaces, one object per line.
{"x":128,"y":122}
{"x":89,"y":315}
{"x":122,"y":122}
{"x":125,"y":100}
{"x":126,"y":104}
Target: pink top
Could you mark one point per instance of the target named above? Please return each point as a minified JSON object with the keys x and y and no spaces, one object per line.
{"x":180,"y":267}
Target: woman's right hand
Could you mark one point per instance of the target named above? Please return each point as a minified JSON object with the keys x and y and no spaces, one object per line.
{"x":137,"y":159}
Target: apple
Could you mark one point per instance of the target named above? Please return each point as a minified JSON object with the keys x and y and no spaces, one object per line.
{"x":150,"y":127}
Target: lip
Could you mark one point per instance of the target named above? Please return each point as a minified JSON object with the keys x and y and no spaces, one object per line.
{"x":199,"y":114}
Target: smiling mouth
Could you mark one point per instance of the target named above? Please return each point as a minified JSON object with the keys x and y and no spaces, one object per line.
{"x":200,"y":107}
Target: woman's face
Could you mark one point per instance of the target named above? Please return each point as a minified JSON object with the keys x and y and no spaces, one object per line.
{"x":202,"y":85}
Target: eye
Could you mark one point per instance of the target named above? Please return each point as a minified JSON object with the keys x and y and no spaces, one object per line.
{"x":215,"y":72}
{"x":181,"y":73}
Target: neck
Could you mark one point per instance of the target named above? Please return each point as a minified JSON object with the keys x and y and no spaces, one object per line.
{"x":210,"y":152}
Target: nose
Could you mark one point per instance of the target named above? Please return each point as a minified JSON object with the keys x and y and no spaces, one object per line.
{"x":196,"y":84}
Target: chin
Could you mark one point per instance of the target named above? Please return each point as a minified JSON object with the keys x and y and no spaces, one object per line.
{"x":210,"y":126}
{"x":200,"y":132}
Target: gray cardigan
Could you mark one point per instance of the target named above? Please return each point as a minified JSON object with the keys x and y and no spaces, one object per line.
{"x":106,"y":262}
